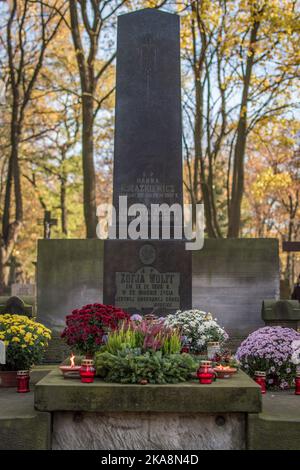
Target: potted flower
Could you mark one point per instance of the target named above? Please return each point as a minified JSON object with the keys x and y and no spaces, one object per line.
{"x":269,"y":349}
{"x":88,"y":326}
{"x":25,"y":342}
{"x":198,"y":328}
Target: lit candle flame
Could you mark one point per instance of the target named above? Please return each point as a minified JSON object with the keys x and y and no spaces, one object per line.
{"x":220,"y":367}
{"x":72,"y":360}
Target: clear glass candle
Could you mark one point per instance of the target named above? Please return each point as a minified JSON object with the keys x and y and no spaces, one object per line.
{"x":213,"y":348}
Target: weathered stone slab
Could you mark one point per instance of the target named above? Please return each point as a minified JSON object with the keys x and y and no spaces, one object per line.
{"x":148,"y":431}
{"x":231,"y":277}
{"x":116,"y":416}
{"x":284,"y":313}
{"x":240,"y":394}
{"x":21,"y":426}
{"x":147,"y":277}
{"x":70,"y":274}
{"x":277,"y":427}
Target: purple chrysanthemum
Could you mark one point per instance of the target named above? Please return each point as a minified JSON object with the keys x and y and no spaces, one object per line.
{"x":270,"y":349}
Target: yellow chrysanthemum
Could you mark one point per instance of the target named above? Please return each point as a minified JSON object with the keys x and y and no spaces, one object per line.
{"x":15,"y":339}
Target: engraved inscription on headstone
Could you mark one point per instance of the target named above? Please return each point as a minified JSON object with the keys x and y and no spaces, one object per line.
{"x":145,"y":277}
{"x":148,"y":288}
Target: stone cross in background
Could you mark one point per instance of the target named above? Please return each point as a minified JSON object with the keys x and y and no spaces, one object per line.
{"x":47,"y":222}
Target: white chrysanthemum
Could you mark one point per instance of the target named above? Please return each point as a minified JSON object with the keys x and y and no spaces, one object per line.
{"x":198,"y":326}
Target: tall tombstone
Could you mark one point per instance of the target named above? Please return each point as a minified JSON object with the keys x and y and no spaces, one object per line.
{"x":148,"y":148}
{"x":148,"y":275}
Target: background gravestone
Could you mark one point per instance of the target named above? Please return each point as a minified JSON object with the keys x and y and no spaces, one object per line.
{"x":22,"y":290}
{"x":16,"y":306}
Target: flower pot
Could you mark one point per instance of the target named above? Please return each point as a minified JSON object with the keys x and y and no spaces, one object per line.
{"x":8,"y":378}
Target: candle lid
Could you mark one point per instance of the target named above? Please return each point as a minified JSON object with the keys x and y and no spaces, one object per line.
{"x":205,"y":363}
{"x":87,"y":362}
{"x":22,"y":372}
{"x":260,"y":373}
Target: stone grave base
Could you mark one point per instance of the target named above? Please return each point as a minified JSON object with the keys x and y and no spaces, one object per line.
{"x":148,"y":431}
{"x":112,"y":416}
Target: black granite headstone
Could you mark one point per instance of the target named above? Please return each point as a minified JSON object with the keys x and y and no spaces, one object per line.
{"x":154,"y":275}
{"x":148,"y":152}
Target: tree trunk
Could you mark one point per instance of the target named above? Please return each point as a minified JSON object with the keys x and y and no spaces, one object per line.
{"x":240,"y":146}
{"x":63,"y":208}
{"x":89,"y":179}
{"x":10,"y":230}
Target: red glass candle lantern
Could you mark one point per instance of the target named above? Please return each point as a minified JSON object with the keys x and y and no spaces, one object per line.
{"x":297,"y":383}
{"x":87,"y":371}
{"x":23,"y":381}
{"x":205,"y":373}
{"x":260,"y":379}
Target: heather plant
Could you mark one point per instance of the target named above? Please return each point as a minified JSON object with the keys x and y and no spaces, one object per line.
{"x":172,"y":343}
{"x":143,"y":350}
{"x":123,"y":338}
{"x":270,"y":349}
{"x":156,"y":336}
{"x":145,"y":335}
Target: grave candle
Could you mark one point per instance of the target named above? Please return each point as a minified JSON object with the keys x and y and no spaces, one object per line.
{"x":205,"y":372}
{"x":260,"y":379}
{"x":23,"y":381}
{"x":213,"y":348}
{"x":297,"y":383}
{"x":87,"y":371}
